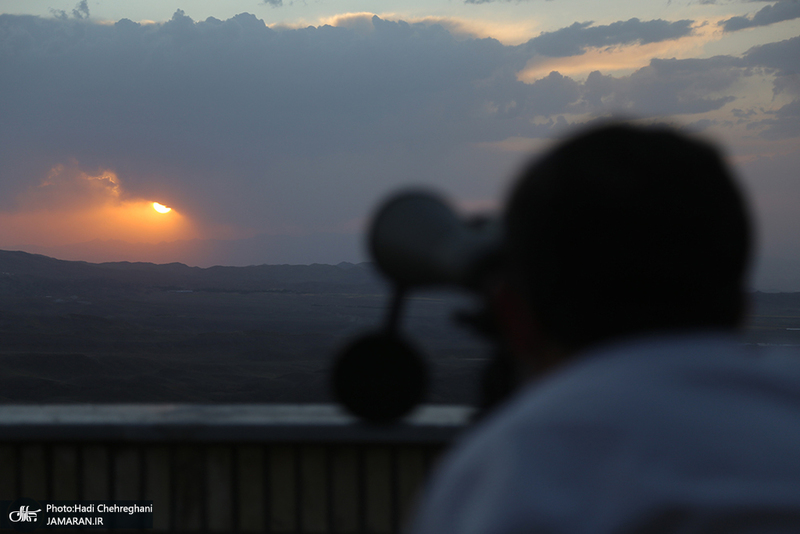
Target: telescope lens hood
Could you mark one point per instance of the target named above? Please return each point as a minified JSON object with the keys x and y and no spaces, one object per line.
{"x":416,"y":239}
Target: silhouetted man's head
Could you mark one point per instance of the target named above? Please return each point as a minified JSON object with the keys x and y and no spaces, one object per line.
{"x":625,"y":230}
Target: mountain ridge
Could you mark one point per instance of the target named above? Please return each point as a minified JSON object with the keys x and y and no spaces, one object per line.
{"x":19,"y":269}
{"x":328,"y":248}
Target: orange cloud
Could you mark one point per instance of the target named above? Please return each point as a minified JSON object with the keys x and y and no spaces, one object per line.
{"x":508,"y":33}
{"x":361,"y":21}
{"x":72,"y":206}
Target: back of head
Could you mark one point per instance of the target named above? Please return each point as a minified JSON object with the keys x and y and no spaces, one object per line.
{"x":625,"y":230}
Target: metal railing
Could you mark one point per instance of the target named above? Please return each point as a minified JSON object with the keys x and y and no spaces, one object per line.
{"x":223,"y":468}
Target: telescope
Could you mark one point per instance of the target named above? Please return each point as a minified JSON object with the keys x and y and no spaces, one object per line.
{"x":416,"y":241}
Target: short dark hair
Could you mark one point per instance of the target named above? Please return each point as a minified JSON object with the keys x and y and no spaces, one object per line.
{"x":627,"y":229}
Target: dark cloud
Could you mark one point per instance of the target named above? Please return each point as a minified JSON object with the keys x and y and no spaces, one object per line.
{"x":784,"y":123}
{"x":781,"y":60}
{"x":574,"y":40}
{"x":666,"y":87}
{"x":552,"y":95}
{"x":743,"y":116}
{"x":244,"y":124}
{"x":81,"y":10}
{"x":779,"y":57}
{"x":302,"y":130}
{"x":273,"y":3}
{"x":777,"y":12}
{"x":690,"y":86}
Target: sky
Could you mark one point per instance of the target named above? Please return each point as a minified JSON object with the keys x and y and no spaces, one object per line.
{"x":274,"y":129}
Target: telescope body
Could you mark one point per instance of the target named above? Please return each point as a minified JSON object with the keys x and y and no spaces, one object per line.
{"x":416,"y":239}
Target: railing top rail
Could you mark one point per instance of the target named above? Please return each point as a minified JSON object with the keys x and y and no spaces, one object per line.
{"x":222,"y":423}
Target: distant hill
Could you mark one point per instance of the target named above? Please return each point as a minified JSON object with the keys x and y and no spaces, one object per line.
{"x":328,"y":248}
{"x":20,"y":272}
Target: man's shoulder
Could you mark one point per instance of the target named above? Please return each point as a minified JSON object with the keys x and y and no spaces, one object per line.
{"x":656,"y":370}
{"x":623,"y":380}
{"x":639,"y":388}
{"x":609,"y":427}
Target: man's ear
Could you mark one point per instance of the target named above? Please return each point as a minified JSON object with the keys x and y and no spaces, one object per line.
{"x":532,"y":349}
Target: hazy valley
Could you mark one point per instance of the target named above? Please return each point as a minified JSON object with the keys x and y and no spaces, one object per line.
{"x":138,"y":332}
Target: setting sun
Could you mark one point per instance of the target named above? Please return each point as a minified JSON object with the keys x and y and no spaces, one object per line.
{"x":160,"y":208}
{"x":70,"y":207}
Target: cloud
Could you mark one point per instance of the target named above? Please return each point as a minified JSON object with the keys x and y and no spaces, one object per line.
{"x":780,"y":60}
{"x":575,"y":39}
{"x":80,"y":11}
{"x":620,"y":59}
{"x":241,"y":124}
{"x":777,"y":12}
{"x":301,"y":131}
{"x":509,"y":33}
{"x":68,"y":185}
{"x":784,"y":123}
{"x":552,"y":95}
{"x":74,"y":206}
{"x":666,"y":87}
{"x":273,"y":3}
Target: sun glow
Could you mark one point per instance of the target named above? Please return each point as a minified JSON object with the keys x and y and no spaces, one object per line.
{"x":71,"y":206}
{"x":161,"y":208}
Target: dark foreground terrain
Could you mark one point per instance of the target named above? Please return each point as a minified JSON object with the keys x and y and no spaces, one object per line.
{"x":128,"y":332}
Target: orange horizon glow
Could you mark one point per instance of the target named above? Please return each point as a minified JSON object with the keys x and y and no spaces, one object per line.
{"x":71,"y":206}
{"x":132,"y":221}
